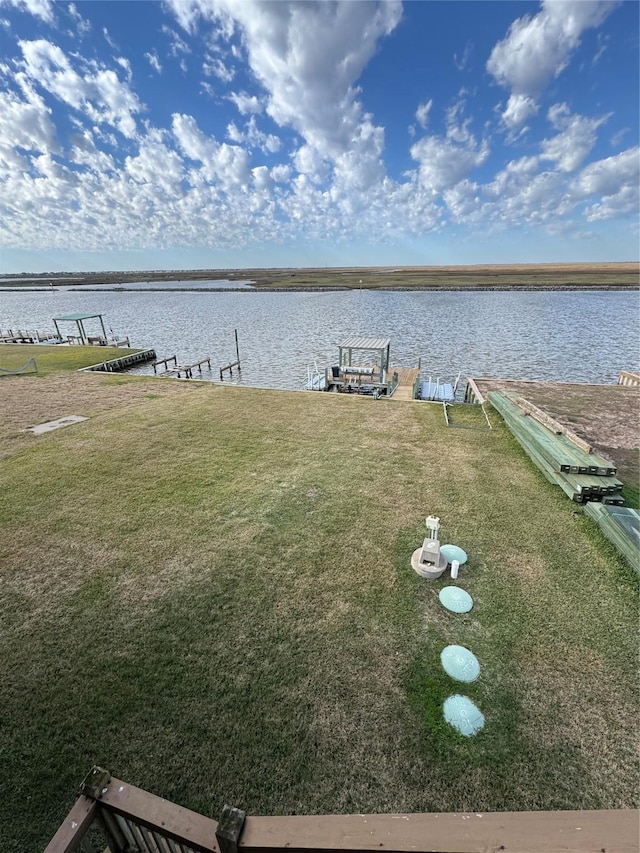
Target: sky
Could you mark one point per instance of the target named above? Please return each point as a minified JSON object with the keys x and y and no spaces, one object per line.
{"x":193,"y":134}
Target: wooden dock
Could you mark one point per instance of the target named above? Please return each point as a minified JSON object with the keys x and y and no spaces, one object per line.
{"x":114,"y":365}
{"x":27,"y":336}
{"x":406,"y":380}
{"x":180,"y":371}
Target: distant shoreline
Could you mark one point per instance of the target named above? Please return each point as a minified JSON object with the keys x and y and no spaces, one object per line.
{"x":506,"y":277}
{"x":471,"y":288}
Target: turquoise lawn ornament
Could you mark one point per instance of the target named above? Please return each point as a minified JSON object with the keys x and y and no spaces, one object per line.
{"x":452,"y":552}
{"x":455,"y":599}
{"x":461,"y":713}
{"x":460,"y":663}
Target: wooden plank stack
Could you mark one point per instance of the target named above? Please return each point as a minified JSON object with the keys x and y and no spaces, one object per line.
{"x":563,"y":457}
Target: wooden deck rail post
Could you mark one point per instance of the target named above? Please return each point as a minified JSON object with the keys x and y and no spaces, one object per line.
{"x":230,"y":829}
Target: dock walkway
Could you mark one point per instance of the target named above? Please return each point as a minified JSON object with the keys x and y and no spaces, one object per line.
{"x":406,"y":380}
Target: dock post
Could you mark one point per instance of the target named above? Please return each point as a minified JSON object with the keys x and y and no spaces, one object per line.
{"x":237,"y":350}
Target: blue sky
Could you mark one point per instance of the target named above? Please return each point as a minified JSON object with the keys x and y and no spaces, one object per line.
{"x":238,"y":133}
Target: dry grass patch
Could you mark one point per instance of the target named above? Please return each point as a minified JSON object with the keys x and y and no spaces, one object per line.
{"x":26,"y":404}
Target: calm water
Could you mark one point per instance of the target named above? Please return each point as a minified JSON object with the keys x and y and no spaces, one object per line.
{"x":567,"y":336}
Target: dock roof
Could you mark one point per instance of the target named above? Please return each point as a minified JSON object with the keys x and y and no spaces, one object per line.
{"x":365,"y":343}
{"x":76,"y":317}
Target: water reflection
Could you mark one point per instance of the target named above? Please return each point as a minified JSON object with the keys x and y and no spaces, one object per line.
{"x":576,"y":336}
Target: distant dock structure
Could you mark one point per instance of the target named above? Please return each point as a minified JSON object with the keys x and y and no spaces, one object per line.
{"x":82,"y":337}
{"x":27,"y":336}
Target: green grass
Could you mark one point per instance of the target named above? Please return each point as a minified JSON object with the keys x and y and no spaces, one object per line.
{"x":467,"y":416}
{"x":211,"y":596}
{"x":631,"y":495}
{"x":52,"y":359}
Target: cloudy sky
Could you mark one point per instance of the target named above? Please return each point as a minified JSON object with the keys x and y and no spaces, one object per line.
{"x":240,"y":133}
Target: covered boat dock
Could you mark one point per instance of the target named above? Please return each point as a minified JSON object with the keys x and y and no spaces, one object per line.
{"x":363,"y":367}
{"x":79,"y":320}
{"x":84,"y":339}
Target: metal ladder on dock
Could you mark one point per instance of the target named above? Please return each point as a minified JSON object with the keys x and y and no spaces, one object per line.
{"x":314,"y":380}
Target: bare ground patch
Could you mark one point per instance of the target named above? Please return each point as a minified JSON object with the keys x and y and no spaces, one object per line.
{"x":606,"y":416}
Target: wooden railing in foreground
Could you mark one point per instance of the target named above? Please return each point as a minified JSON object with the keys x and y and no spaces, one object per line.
{"x":134,"y":821}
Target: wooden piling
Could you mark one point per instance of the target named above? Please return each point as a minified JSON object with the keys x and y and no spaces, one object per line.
{"x":232,"y":364}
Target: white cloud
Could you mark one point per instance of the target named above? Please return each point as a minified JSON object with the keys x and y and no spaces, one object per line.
{"x":246,"y":103}
{"x":39,"y":8}
{"x":84,"y":152}
{"x":83,"y":26}
{"x":611,"y":176}
{"x":157,"y":165}
{"x":188,"y":11}
{"x":308,"y":57}
{"x":225,"y":164}
{"x":177,"y":45}
{"x":617,"y":138}
{"x":99,"y":94}
{"x":538,"y":48}
{"x":574,"y":142}
{"x":457,"y":126}
{"x":180,"y":186}
{"x":124,"y":63}
{"x":262,"y":178}
{"x":532,"y":199}
{"x":26,"y":124}
{"x":254,"y":137}
{"x":603,"y":44}
{"x":215,"y":67}
{"x":154,"y":61}
{"x":281,"y":174}
{"x":308,"y":161}
{"x":443,"y":163}
{"x":108,"y":39}
{"x":519,"y":108}
{"x":461,"y":61}
{"x":465,"y":203}
{"x":422,"y":113}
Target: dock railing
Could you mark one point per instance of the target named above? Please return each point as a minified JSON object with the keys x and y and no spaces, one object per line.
{"x":416,"y":387}
{"x":629,"y":377}
{"x":132,"y":820}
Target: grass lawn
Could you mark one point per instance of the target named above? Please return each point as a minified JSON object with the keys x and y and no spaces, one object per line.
{"x":209,"y":593}
{"x":50,"y":359}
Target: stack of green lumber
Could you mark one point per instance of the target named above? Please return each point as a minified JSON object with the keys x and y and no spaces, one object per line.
{"x":582,"y":476}
{"x":621,"y":525}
